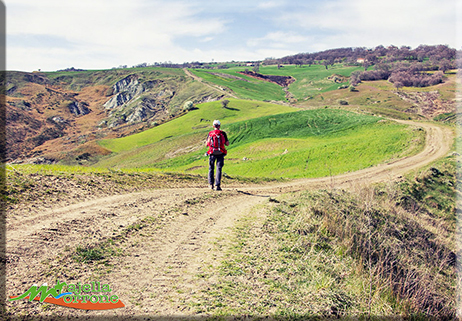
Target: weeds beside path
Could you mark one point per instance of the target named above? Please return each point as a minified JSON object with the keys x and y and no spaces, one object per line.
{"x":154,"y":246}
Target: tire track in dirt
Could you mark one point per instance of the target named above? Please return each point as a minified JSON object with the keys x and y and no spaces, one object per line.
{"x":163,"y":257}
{"x":174,"y":264}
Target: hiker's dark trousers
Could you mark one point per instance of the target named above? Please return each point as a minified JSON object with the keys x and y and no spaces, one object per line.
{"x":220,"y":159}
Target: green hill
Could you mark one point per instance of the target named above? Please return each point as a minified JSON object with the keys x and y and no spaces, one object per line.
{"x":197,"y":120}
{"x":309,"y":143}
{"x":309,"y":81}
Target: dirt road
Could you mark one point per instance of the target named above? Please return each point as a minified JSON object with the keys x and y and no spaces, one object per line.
{"x":154,"y":244}
{"x":224,"y":91}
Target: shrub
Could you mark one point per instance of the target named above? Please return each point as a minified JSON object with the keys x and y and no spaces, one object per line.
{"x":189,"y":105}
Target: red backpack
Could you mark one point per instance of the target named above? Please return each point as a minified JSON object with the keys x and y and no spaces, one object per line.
{"x":217,"y":143}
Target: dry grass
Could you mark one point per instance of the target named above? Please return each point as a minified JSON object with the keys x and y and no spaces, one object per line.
{"x":362,"y":253}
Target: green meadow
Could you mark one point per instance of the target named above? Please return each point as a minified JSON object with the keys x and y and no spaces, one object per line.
{"x":309,"y":81}
{"x":197,"y":120}
{"x":245,"y":87}
{"x":312,"y":80}
{"x":304,"y":143}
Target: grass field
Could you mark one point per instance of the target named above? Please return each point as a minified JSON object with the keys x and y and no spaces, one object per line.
{"x":244,"y":86}
{"x":310,"y":81}
{"x":310,"y":143}
{"x":197,"y":120}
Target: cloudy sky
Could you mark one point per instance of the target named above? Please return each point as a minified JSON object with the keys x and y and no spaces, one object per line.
{"x":101,"y":34}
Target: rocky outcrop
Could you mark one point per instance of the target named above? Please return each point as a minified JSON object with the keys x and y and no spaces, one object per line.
{"x":36,"y":78}
{"x":428,"y":104}
{"x":128,"y":105}
{"x":125,"y":90}
{"x":78,"y":108}
{"x":141,"y":110}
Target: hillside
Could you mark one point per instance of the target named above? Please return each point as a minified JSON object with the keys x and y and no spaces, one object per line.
{"x":59,"y":116}
{"x":308,"y":143}
{"x":50,"y":114}
{"x":313,"y":248}
{"x":338,"y":198}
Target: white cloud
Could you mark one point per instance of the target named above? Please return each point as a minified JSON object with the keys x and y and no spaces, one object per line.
{"x":366,"y":22}
{"x":125,"y":30}
{"x":270,"y":4}
{"x":207,"y":39}
{"x":55,"y":34}
{"x":278,"y":39}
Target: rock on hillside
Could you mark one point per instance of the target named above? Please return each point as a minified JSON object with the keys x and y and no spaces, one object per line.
{"x":124,"y":90}
{"x":78,"y":108}
{"x":134,"y":101}
{"x":55,"y":115}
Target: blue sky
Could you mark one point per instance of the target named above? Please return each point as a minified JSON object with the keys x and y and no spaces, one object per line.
{"x":101,"y":34}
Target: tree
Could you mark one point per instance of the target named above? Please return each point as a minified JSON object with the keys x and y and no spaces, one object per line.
{"x":355,"y":78}
{"x":398,"y":85}
{"x":445,"y":65}
{"x":256,"y":67}
{"x":365,"y":65}
{"x":225,"y":103}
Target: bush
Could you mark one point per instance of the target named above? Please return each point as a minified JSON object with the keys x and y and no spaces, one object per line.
{"x":189,"y":105}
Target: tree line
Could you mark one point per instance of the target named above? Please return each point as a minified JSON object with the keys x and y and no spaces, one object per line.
{"x":419,"y":67}
{"x":378,"y":54}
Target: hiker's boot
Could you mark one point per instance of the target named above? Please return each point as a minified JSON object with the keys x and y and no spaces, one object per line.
{"x":211,"y":186}
{"x":218,"y":188}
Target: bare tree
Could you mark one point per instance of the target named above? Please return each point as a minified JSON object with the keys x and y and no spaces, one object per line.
{"x":256,"y":67}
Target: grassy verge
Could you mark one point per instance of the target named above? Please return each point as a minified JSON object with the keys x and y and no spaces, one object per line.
{"x":41,"y":185}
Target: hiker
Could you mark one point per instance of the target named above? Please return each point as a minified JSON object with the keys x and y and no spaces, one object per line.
{"x":216,"y":141}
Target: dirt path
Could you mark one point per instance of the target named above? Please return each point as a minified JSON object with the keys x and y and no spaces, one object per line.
{"x":214,"y":87}
{"x":154,"y":243}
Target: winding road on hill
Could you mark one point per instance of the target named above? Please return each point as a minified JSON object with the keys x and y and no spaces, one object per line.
{"x":161,"y":239}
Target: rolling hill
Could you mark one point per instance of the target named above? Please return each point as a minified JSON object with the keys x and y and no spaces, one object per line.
{"x":60,"y":116}
{"x":378,"y":240}
{"x":308,"y":143}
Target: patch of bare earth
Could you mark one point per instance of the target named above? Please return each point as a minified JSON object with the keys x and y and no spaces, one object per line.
{"x":429,"y":104}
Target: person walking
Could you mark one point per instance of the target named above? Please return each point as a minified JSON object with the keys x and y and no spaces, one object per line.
{"x":216,"y":141}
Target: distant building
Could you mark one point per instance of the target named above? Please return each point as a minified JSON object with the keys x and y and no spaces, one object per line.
{"x":361,"y":60}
